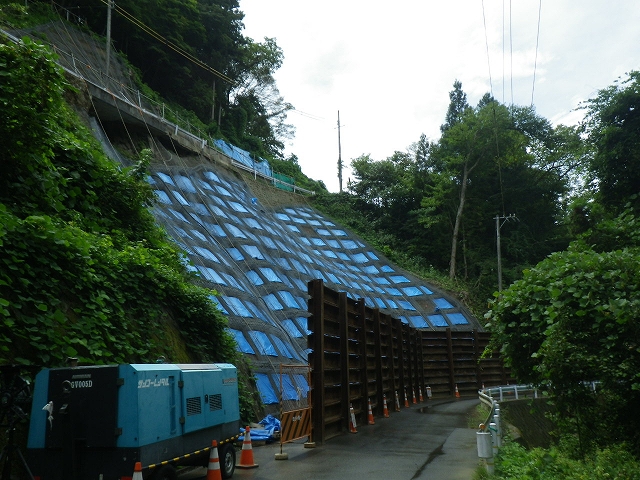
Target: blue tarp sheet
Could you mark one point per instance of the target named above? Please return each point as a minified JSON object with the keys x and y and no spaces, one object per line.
{"x":266,"y":390}
{"x":244,"y":157}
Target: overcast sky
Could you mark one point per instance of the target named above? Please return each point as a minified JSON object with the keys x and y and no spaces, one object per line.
{"x":388,"y":68}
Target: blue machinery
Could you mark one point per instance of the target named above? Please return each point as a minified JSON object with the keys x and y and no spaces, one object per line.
{"x":98,"y":421}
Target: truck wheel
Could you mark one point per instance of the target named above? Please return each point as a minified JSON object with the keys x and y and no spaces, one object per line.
{"x":227,"y":460}
{"x":168,"y":472}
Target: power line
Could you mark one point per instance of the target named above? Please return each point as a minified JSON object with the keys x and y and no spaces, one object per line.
{"x":486,"y":41}
{"x":511,"y":49}
{"x":535,"y":63}
{"x":170,"y":44}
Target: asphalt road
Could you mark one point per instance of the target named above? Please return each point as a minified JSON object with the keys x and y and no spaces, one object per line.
{"x":429,"y":440}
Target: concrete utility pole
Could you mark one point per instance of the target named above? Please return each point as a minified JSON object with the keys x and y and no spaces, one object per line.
{"x":339,"y":155}
{"x":498,"y":227}
{"x":109,"y":7}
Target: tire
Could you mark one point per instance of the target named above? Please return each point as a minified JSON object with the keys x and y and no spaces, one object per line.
{"x":227,"y":454}
{"x":167,"y":472}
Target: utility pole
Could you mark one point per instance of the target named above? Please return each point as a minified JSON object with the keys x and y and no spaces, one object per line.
{"x":498,"y":227}
{"x":339,"y":155}
{"x":109,"y":7}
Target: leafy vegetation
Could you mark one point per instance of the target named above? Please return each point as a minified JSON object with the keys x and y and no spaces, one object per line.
{"x":514,"y":462}
{"x":571,"y":323}
{"x":85,"y":271}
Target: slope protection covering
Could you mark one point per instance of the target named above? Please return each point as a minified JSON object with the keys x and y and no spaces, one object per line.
{"x":260,"y":259}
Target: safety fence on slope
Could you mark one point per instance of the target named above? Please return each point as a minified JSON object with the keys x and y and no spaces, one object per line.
{"x":361,"y":357}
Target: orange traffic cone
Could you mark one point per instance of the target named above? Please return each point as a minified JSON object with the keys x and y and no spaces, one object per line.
{"x":397,"y":402}
{"x":406,"y":400}
{"x":246,"y":457}
{"x":413,"y":391}
{"x":137,"y":472}
{"x":352,"y":420}
{"x":420,"y":394}
{"x":213,"y":471}
{"x":385,"y":411}
{"x":370,"y":419}
{"x":457,"y":392}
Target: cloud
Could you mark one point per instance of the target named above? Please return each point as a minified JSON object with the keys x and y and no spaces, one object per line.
{"x":389,"y":68}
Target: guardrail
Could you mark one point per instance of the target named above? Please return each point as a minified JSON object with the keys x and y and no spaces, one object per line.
{"x":506,"y":393}
{"x":489,"y":434}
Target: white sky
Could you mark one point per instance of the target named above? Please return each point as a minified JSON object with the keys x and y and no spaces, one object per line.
{"x":388,"y":68}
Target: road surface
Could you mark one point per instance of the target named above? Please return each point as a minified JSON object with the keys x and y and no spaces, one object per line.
{"x":430,"y":440}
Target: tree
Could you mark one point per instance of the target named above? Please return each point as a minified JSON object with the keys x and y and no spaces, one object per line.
{"x":458,"y":105}
{"x":495,"y":161}
{"x":612,"y":123}
{"x":574,"y":319}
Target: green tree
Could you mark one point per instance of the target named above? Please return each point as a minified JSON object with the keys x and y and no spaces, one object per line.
{"x":458,"y":106}
{"x":612,"y":123}
{"x":573,"y":319}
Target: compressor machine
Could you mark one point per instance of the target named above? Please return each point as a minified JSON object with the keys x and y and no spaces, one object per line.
{"x":97,"y":422}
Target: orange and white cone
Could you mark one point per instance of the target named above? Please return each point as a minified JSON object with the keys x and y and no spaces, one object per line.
{"x":406,"y":400}
{"x":137,"y":472}
{"x":246,"y":457}
{"x":420,"y":394}
{"x":457,"y":392}
{"x":385,"y":410}
{"x":413,"y":391}
{"x":370,"y":419}
{"x":352,"y":420}
{"x":397,"y":402}
{"x":213,"y":471}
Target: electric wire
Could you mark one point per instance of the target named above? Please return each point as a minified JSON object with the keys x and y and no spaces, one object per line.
{"x":486,"y":41}
{"x":170,"y":44}
{"x":511,"y":48}
{"x":535,"y":63}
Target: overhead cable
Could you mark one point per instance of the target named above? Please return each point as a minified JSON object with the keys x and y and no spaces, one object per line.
{"x":170,"y":44}
{"x":535,"y":63}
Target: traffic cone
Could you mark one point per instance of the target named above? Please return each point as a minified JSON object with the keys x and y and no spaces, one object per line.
{"x":420,"y":393}
{"x":213,"y":471}
{"x":397,"y":402}
{"x":370,"y":419}
{"x":457,"y":392}
{"x":352,"y":420}
{"x":385,"y":411}
{"x":413,"y":391}
{"x":137,"y":472}
{"x":406,"y":400}
{"x":246,"y":457}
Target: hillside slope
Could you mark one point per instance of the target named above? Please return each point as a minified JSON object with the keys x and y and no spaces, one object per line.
{"x":258,"y":246}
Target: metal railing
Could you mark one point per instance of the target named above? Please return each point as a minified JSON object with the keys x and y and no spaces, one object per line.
{"x":489,"y":435}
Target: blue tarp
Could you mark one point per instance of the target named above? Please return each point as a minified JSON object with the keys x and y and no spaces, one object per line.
{"x":244,"y":157}
{"x":261,"y":340}
{"x":243,"y":345}
{"x":269,"y":397}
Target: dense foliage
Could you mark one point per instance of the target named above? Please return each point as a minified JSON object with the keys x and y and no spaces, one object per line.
{"x":438,"y":202}
{"x":193,"y":53}
{"x":85,"y":271}
{"x":514,"y":462}
{"x":571,"y":323}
